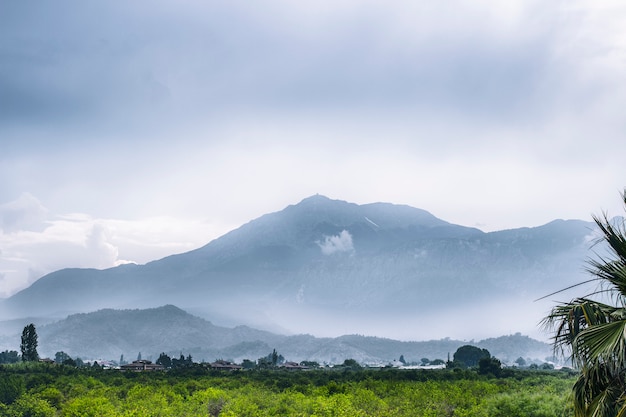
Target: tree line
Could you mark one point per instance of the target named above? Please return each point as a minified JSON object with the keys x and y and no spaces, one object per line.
{"x":466,"y":356}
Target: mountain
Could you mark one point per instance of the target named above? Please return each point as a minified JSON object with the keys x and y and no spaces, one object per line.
{"x":330,"y":267}
{"x":108,"y":334}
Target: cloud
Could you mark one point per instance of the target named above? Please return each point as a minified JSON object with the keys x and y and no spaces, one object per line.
{"x":151,"y":117}
{"x":204,"y":61}
{"x":81,"y":241}
{"x":336,"y":244}
{"x":25,"y":213}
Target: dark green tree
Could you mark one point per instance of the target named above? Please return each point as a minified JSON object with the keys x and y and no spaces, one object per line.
{"x":248,"y":364}
{"x":28,"y":346}
{"x":11,"y":387}
{"x":69,"y":362}
{"x":351,"y":364}
{"x":489,"y":366}
{"x":264,"y":363}
{"x":164,"y":360}
{"x":470,"y":355}
{"x":61,"y":357}
{"x":9,"y":356}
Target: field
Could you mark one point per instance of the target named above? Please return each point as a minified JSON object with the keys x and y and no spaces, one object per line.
{"x":33,"y":389}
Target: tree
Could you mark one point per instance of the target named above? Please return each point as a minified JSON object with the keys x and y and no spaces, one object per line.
{"x":11,"y":387}
{"x":351,"y":364}
{"x":164,"y":360}
{"x":470,"y":355}
{"x":270,"y":361}
{"x":9,"y":356}
{"x":61,"y":357}
{"x":592,"y":328}
{"x":490,"y":366}
{"x":248,"y":364}
{"x":28,"y":346}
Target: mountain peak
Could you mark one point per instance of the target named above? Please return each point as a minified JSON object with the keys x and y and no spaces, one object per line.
{"x":320,"y":201}
{"x":315,"y":198}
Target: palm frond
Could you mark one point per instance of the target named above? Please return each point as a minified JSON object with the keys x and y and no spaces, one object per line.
{"x":596,"y":331}
{"x":603,"y":342}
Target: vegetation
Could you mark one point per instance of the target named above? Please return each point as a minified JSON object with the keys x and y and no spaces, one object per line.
{"x":469,"y":356}
{"x":9,"y":356}
{"x":40,"y":389}
{"x":29,"y":343}
{"x":593,"y":328}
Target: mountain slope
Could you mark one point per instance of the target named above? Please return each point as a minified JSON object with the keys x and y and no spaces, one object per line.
{"x":330,"y":267}
{"x":108,"y":334}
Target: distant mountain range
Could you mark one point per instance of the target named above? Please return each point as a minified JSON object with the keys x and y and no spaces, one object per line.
{"x":330,"y":267}
{"x":108,"y":334}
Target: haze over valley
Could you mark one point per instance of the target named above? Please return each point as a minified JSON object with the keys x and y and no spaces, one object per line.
{"x":330,"y":268}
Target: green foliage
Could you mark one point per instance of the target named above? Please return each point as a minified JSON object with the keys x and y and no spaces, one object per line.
{"x":351,"y":364}
{"x":28,"y":345}
{"x":490,"y":366}
{"x":592,"y":328}
{"x":164,"y":360}
{"x":11,"y":387}
{"x":64,"y":391}
{"x":9,"y":356}
{"x":534,"y":404}
{"x":62,"y":357}
{"x":248,"y":364}
{"x":470,"y":355}
{"x":30,"y":406}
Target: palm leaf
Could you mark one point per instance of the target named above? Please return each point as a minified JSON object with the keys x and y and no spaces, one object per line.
{"x":605,"y":342}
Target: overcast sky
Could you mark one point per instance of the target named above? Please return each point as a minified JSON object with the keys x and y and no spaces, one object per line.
{"x":133,"y":130}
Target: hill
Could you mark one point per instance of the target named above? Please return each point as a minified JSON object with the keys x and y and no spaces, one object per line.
{"x":108,"y":334}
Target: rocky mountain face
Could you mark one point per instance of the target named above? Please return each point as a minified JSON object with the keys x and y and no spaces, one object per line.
{"x":108,"y":334}
{"x":331,"y":267}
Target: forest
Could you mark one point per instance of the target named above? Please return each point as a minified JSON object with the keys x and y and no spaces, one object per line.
{"x":46,"y":390}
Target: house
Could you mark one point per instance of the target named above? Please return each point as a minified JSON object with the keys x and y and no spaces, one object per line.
{"x":293,"y":366}
{"x":142,"y":365}
{"x":222,"y":365}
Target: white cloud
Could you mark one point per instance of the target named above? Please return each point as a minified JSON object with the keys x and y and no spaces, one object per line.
{"x":25,"y":213}
{"x":162,"y":120}
{"x":80,"y":241}
{"x":338,"y":243}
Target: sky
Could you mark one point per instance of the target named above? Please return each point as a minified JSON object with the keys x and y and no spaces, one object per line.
{"x":130,"y":131}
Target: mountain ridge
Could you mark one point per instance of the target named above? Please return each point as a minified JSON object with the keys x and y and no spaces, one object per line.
{"x":108,"y":334}
{"x":300,"y":268}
